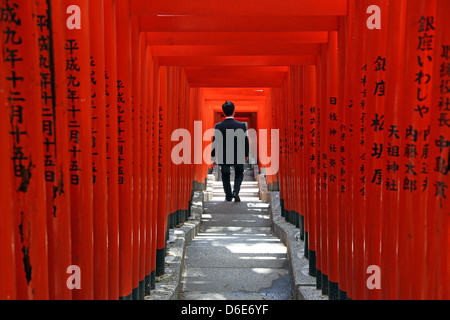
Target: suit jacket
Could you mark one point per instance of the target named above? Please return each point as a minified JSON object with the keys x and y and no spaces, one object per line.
{"x":239,"y":145}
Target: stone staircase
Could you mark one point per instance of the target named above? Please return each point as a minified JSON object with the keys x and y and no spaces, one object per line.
{"x":235,"y":256}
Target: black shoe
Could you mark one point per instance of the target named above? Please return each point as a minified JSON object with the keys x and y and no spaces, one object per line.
{"x":228,"y":199}
{"x":236,"y":197}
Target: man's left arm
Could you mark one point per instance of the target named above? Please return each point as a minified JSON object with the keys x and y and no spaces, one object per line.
{"x":247,"y":146}
{"x":214,"y":147}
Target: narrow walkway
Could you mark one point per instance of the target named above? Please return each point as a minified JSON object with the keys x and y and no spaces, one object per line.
{"x":235,"y":256}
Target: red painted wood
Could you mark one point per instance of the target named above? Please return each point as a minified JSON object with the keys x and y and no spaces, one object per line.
{"x":112,"y":148}
{"x":56,"y":166}
{"x":76,"y":44}
{"x":237,"y":8}
{"x":125,"y":147}
{"x":23,"y":113}
{"x":105,"y":108}
{"x":238,"y":24}
{"x":99,"y":151}
{"x":136,"y":65}
{"x":235,"y":38}
{"x":7,"y":242}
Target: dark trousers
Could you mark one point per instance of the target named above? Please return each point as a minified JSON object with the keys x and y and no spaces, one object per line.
{"x":239,"y":176}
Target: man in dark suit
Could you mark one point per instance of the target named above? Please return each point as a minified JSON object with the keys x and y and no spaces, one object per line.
{"x":231,"y":143}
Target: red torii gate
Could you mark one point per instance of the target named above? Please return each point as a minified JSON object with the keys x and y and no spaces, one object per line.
{"x":88,"y":115}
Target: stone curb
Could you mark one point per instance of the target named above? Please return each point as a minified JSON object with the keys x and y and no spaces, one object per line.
{"x":304,"y":285}
{"x":262,"y":185}
{"x":168,"y":286}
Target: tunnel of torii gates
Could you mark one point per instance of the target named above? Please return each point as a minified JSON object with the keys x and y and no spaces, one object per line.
{"x":92,"y":90}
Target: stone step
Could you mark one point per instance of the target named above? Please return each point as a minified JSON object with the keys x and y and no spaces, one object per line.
{"x":235,"y":255}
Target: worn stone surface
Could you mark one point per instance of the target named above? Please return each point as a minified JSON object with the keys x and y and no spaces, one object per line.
{"x":235,"y":256}
{"x":263,"y":191}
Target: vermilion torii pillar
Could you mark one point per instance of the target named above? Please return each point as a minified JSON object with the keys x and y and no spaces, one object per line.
{"x":7,"y":242}
{"x":23,"y":119}
{"x":112,"y":148}
{"x":76,"y":74}
{"x":55,"y":145}
{"x":125,"y":147}
{"x":99,"y":151}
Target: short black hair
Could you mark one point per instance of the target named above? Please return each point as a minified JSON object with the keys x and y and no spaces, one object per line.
{"x":228,"y":108}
